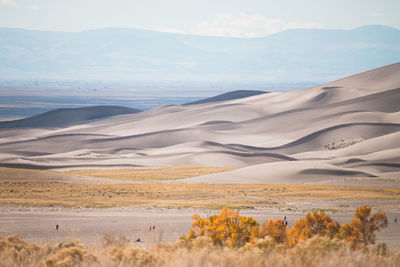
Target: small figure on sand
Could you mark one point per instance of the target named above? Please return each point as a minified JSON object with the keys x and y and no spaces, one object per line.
{"x":150,"y":228}
{"x":154,"y":227}
{"x":138,"y":240}
{"x":57,"y":227}
{"x":395,"y":220}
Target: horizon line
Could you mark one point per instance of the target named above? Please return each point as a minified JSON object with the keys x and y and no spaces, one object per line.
{"x":199,"y":35}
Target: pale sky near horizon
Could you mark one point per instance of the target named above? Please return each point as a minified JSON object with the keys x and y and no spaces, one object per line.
{"x":251,"y":18}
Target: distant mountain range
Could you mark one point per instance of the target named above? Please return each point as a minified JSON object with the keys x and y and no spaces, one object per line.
{"x":128,"y":54}
{"x":227,"y":96}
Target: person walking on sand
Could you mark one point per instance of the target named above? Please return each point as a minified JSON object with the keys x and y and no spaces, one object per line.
{"x":395,"y":220}
{"x":154,"y":227}
{"x":57,"y":227}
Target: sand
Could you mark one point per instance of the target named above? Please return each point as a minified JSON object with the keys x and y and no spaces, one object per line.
{"x":347,"y":128}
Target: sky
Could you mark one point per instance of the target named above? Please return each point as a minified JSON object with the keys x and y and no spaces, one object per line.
{"x":234,"y":18}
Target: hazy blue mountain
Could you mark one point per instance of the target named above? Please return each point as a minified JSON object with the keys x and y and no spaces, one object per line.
{"x":68,"y":116}
{"x":125,"y":54}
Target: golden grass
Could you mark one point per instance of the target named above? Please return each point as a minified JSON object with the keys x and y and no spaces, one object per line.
{"x":317,"y":251}
{"x":29,"y":174}
{"x":136,"y":174}
{"x":211,"y":196}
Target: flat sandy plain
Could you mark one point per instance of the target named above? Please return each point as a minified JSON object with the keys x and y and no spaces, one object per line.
{"x":333,"y":147}
{"x":89,"y":225}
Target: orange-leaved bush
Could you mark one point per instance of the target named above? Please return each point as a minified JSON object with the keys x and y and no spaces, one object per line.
{"x":314,"y":224}
{"x":275,"y":229}
{"x":228,"y":228}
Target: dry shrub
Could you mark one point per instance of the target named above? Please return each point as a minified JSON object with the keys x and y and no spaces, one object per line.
{"x":14,"y":251}
{"x":320,"y":245}
{"x":316,"y":251}
{"x":71,"y":256}
{"x":266,"y":243}
{"x":70,"y":252}
{"x":69,"y":243}
{"x":133,"y":257}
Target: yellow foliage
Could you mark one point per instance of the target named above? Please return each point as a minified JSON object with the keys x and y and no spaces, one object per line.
{"x":226,"y":228}
{"x":231,"y":229}
{"x":319,"y":224}
{"x":361,"y":230}
{"x":275,"y":229}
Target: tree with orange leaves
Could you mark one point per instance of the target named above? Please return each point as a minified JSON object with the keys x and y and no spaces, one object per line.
{"x":297,"y":233}
{"x":361,"y":230}
{"x":314,"y":224}
{"x":321,"y":224}
{"x":275,"y":229}
{"x":201,"y":225}
{"x":228,"y":227}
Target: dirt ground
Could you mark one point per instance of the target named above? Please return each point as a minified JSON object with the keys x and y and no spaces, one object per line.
{"x":89,"y":225}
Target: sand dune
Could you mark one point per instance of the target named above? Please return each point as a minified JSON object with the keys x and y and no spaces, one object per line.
{"x":344,"y":129}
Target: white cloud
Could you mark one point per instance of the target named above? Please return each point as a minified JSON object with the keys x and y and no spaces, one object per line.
{"x":247,"y":26}
{"x":9,"y":3}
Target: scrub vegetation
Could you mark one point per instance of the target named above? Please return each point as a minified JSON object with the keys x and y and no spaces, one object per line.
{"x":224,"y":239}
{"x":38,"y":193}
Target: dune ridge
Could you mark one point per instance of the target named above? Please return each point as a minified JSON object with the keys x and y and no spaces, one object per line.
{"x":347,"y":128}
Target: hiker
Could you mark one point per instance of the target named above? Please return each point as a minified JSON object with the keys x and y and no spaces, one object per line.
{"x":154,"y":227}
{"x":395,"y":220}
{"x":284,"y":222}
{"x":57,"y":227}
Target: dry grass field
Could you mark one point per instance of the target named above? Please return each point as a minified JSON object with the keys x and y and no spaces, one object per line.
{"x":117,"y":251}
{"x":135,"y":174}
{"x":210,"y":196}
